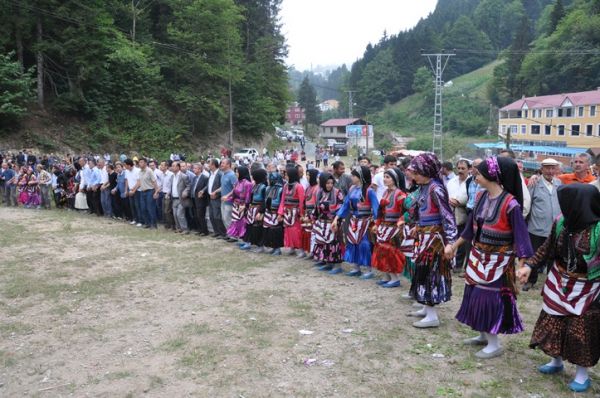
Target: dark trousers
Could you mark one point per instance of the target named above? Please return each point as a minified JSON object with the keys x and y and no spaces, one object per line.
{"x":116,"y":205}
{"x":463,"y":251}
{"x":93,"y":200}
{"x":126,"y":208}
{"x":134,"y":205}
{"x":536,"y":242}
{"x":159,"y":206}
{"x":215,"y":217}
{"x":200,"y":213}
{"x":168,"y":213}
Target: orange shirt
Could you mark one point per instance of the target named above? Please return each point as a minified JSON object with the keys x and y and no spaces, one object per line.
{"x":571,"y":178}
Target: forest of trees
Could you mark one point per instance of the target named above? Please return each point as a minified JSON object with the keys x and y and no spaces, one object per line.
{"x":147,"y":72}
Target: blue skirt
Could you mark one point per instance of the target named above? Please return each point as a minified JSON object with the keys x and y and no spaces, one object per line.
{"x":359,"y":254}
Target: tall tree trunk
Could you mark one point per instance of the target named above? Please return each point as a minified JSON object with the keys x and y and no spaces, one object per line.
{"x":134,"y":20}
{"x":19,"y":45}
{"x":40,"y":65}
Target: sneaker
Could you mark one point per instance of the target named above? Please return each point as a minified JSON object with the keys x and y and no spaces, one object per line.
{"x":368,"y":275}
{"x":139,"y":225}
{"x":132,"y":223}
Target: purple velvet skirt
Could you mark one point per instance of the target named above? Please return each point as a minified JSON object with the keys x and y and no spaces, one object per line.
{"x":490,"y":309}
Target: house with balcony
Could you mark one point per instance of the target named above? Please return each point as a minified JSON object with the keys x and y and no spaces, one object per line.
{"x":563,"y":120}
{"x":354,"y":131}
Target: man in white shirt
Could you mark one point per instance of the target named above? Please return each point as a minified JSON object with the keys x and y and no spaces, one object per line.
{"x":167,"y":184}
{"x":132,"y":175}
{"x":104,"y":191}
{"x":457,"y":195}
{"x":389,"y":161}
{"x":160,"y":175}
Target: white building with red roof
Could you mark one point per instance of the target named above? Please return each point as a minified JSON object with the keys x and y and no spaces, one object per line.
{"x":354,"y":131}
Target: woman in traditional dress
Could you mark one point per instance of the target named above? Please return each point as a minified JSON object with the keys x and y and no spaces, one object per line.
{"x":362,"y":204}
{"x":568,"y":327}
{"x":254,"y":214}
{"x":434,"y":232}
{"x":22,"y":192}
{"x":272,"y":222}
{"x":310,"y":200}
{"x":387,"y":257}
{"x":328,"y":243}
{"x":80,"y":198}
{"x":498,"y":234}
{"x":34,"y":199}
{"x":407,"y":246}
{"x":291,"y":210}
{"x":241,"y":195}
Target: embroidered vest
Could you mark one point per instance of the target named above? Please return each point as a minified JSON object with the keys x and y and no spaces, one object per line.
{"x":290,"y":198}
{"x":258,"y":194}
{"x":391,"y":204}
{"x":496,"y":229}
{"x":328,"y":203}
{"x":310,"y":198}
{"x":429,"y":213}
{"x":274,"y":197}
{"x":363,"y":208}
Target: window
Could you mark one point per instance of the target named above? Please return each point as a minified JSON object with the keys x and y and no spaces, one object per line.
{"x":592,"y":110}
{"x":526,"y":114}
{"x":549,"y":112}
{"x":599,"y":130}
{"x":569,"y":112}
{"x":580,"y":111}
{"x":547,"y":129}
{"x":535,"y":129}
{"x":523,"y":129}
{"x":589,"y":130}
{"x":575,"y":129}
{"x":513,"y":129}
{"x":503,"y":129}
{"x":561,"y":130}
{"x":519,"y":114}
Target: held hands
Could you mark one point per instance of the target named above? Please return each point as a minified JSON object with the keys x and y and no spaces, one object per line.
{"x":449,"y":252}
{"x":523,"y":274}
{"x":279,"y":218}
{"x":334,"y":226}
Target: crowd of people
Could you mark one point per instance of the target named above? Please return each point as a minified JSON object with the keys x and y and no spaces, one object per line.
{"x":481,"y":220}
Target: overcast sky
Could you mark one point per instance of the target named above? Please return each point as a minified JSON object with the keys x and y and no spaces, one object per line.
{"x":333,"y":32}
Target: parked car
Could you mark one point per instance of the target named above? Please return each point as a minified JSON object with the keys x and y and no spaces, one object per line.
{"x":340,"y":149}
{"x":246,"y":153}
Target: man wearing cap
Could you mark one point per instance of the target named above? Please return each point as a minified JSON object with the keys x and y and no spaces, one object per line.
{"x":544,"y":209}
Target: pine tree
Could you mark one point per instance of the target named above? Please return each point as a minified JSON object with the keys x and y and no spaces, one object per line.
{"x":307,"y":98}
{"x":558,"y":13}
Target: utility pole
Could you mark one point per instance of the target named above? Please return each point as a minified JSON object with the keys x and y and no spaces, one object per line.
{"x":441,"y":61}
{"x":350,"y":103}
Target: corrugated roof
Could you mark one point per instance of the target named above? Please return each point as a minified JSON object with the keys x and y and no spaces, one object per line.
{"x":556,"y":100}
{"x":339,"y":122}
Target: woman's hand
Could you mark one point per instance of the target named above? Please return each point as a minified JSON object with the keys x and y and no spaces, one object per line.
{"x":448,"y":252}
{"x":523,"y":274}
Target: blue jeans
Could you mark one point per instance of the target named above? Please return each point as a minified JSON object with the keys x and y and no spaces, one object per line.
{"x":148,"y":207}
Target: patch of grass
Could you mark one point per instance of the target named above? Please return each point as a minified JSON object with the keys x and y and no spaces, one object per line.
{"x":301,"y":309}
{"x":7,"y":359}
{"x":196,"y":329}
{"x":118,"y":375}
{"x":18,"y":328}
{"x":21,"y":286}
{"x":447,"y":392}
{"x":156,"y":382}
{"x":174,"y":344}
{"x":61,"y":310}
{"x":203,"y":357}
{"x":495,"y":388}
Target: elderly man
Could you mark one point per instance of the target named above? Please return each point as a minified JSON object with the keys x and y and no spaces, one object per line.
{"x":458,"y":197}
{"x":544,"y":209}
{"x":180,"y":197}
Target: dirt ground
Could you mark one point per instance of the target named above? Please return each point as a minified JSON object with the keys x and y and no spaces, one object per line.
{"x":93,"y":307}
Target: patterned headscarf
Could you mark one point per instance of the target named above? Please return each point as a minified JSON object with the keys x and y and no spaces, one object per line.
{"x":505,"y":172}
{"x":426,"y":164}
{"x":398,"y":176}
